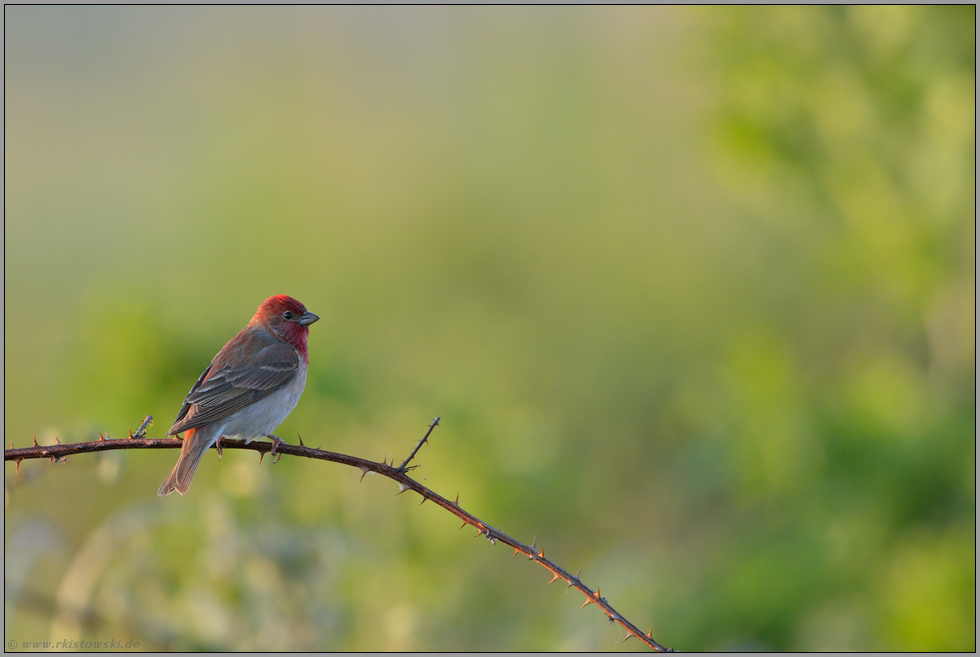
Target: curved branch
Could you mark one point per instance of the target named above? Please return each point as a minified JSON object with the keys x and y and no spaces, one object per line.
{"x":59,"y":452}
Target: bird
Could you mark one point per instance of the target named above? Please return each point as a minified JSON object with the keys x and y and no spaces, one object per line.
{"x":249,"y":388}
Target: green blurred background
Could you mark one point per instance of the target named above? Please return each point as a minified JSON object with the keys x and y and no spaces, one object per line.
{"x":692,"y":290}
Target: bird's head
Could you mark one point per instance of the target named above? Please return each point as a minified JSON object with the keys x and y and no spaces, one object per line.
{"x":286,"y":318}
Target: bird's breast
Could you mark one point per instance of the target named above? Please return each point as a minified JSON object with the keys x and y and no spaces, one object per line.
{"x":262,"y":417}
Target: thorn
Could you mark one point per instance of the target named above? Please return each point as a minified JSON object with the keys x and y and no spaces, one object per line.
{"x":17,"y":465}
{"x":261,"y":456}
{"x":56,"y":440}
{"x":588,"y":601}
{"x":423,"y":501}
{"x":533,"y":541}
{"x":12,"y":444}
{"x":556,"y":577}
{"x":456,"y":503}
{"x":578,"y":575}
{"x":35,"y":441}
{"x":301,"y":443}
{"x":401,"y":489}
{"x":515,"y":552}
{"x":364,"y":472}
{"x":464,"y":524}
{"x":100,"y":437}
{"x":541,"y":554}
{"x":650,"y":633}
{"x":131,"y":433}
{"x":629,"y":635}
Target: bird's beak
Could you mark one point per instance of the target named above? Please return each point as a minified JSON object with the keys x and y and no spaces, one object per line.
{"x":307,"y":319}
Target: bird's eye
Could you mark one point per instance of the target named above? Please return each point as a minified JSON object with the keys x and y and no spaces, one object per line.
{"x":287,"y":315}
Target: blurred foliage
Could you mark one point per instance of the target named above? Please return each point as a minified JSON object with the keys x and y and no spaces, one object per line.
{"x":692,"y":289}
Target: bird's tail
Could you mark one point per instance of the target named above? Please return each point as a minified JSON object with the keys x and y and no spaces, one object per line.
{"x":196,"y":442}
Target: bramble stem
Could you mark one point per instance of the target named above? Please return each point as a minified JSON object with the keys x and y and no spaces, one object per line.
{"x":57,"y":453}
{"x":432,"y":425}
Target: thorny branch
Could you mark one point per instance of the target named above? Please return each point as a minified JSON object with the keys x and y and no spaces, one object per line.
{"x":432,"y":425}
{"x":58,"y":452}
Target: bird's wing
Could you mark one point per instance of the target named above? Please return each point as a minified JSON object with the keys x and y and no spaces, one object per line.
{"x":186,"y":407}
{"x":250,"y":367}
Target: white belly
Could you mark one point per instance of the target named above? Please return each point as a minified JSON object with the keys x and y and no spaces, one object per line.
{"x":262,"y":417}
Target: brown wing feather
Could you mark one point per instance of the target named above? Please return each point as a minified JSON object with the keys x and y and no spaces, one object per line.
{"x":186,"y":407}
{"x":250,"y":367}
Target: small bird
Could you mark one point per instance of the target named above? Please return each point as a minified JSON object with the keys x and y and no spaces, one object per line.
{"x":248,"y":389}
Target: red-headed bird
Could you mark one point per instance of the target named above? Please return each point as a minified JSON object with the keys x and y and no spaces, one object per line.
{"x":248,"y":389}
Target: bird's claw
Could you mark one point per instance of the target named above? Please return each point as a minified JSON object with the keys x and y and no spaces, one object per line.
{"x":217,"y":446}
{"x":276,"y":441}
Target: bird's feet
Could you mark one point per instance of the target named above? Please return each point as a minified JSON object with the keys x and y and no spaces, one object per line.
{"x":217,"y":446}
{"x":276,"y":441}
